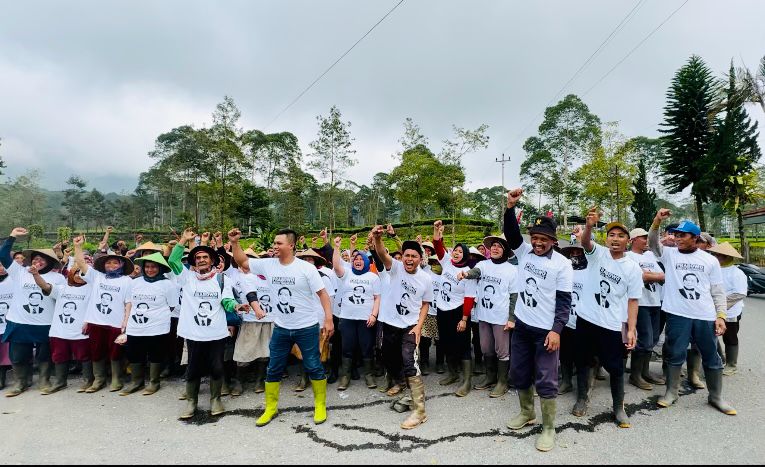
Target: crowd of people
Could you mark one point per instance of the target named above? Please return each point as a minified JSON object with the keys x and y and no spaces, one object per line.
{"x":529,"y":315}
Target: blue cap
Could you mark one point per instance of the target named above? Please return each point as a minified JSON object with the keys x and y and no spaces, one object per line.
{"x":688,"y":227}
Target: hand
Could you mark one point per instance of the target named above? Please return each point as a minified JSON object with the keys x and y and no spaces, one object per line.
{"x":461,"y":275}
{"x":329,"y":327}
{"x":110,"y":229}
{"x":231,"y":331}
{"x":371,"y":320}
{"x":377,"y":231}
{"x":314,"y":241}
{"x":354,"y":238}
{"x":130,"y":253}
{"x":577,"y":231}
{"x":85,"y":329}
{"x":720,"y":327}
{"x":259,"y":313}
{"x":417,"y":331}
{"x":301,"y":241}
{"x":19,"y":232}
{"x":462,"y":325}
{"x":593,"y":217}
{"x":121,"y":339}
{"x":513,"y":196}
{"x":227,"y":246}
{"x":338,"y":242}
{"x":391,"y":231}
{"x":78,"y":240}
{"x":234,"y":235}
{"x":419,"y":239}
{"x":172,"y":243}
{"x":187,"y":236}
{"x":218,"y":236}
{"x":552,"y":341}
{"x":631,"y":339}
{"x":509,"y":326}
{"x":662,"y":215}
{"x":33,"y":270}
{"x":205,"y":237}
{"x":242,"y":308}
{"x":323,"y":234}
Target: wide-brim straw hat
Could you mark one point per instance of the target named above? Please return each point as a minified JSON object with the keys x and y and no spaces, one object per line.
{"x":127,"y":265}
{"x":150,"y":246}
{"x":156,"y":258}
{"x":725,"y":249}
{"x":251,"y":253}
{"x":48,"y":253}
{"x":310,"y":253}
{"x":487,"y":241}
{"x":210,"y":251}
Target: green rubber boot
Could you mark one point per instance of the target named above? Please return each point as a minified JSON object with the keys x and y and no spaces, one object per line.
{"x":319,"y":401}
{"x":87,"y":377}
{"x":137,"y":379}
{"x":345,"y":374}
{"x":731,"y":360}
{"x":693,"y":360}
{"x":272,"y":404}
{"x":657,"y":380}
{"x":62,"y":375}
{"x":714,"y":383}
{"x":45,"y":369}
{"x":566,"y":375}
{"x":216,"y":406}
{"x":637,"y":363}
{"x":467,"y":379}
{"x":99,"y":377}
{"x":192,"y":397}
{"x":617,"y":398}
{"x":369,"y":377}
{"x":528,"y":415}
{"x":260,"y":376}
{"x":501,"y":387}
{"x":673,"y":386}
{"x":489,"y":379}
{"x":452,"y":374}
{"x":155,"y":375}
{"x":116,"y":376}
{"x":21,"y":373}
{"x":546,"y":440}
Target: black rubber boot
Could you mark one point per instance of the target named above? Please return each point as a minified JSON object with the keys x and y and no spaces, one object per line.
{"x":62,"y":375}
{"x":490,"y":378}
{"x":302,"y":383}
{"x":453,"y":374}
{"x":467,"y":379}
{"x":260,"y":375}
{"x":3,"y":375}
{"x":566,"y":375}
{"x":584,"y":379}
{"x":617,"y":397}
{"x":369,"y":377}
{"x":731,"y":360}
{"x":648,"y":376}
{"x":87,"y":377}
{"x":20,"y":373}
{"x":439,"y":358}
{"x":345,"y":374}
{"x":45,"y":370}
{"x":673,"y":386}
{"x":636,"y":375}
{"x":237,"y":381}
{"x":192,"y":397}
{"x":216,"y":406}
{"x":155,"y":375}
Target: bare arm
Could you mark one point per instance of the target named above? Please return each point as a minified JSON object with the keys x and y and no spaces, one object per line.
{"x":337,"y":261}
{"x":79,"y":257}
{"x":382,"y":252}
{"x":44,"y":286}
{"x":236,"y":249}
{"x":653,"y":233}
{"x":128,"y":307}
{"x":632,"y":313}
{"x":329,"y":326}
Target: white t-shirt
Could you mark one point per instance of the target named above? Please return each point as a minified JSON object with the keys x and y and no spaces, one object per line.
{"x":688,"y":284}
{"x":329,"y":287}
{"x":69,"y":316}
{"x":7,"y":288}
{"x":107,"y":305}
{"x":357,"y":294}
{"x":735,"y":282}
{"x":258,"y":284}
{"x":497,"y":282}
{"x":332,"y":291}
{"x":609,"y":286}
{"x":452,"y":290}
{"x":580,"y":277}
{"x":436,"y":278}
{"x":652,"y":291}
{"x":405,"y":296}
{"x":152,"y":301}
{"x":539,"y":278}
{"x":203,"y":318}
{"x":293,"y":289}
{"x":175,"y":312}
{"x":29,"y":305}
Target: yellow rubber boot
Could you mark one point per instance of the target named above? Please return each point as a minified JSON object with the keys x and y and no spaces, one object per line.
{"x":272,"y":403}
{"x":319,"y":401}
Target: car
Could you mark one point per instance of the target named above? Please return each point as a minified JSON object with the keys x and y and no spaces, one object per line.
{"x":755,"y":278}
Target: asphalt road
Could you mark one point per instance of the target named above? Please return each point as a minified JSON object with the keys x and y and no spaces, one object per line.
{"x":105,"y":428}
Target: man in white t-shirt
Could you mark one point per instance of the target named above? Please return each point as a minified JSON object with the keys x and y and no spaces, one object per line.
{"x":403,"y":314}
{"x":297,"y":283}
{"x":700,"y":318}
{"x":608,"y":305}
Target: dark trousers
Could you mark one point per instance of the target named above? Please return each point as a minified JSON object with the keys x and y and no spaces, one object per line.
{"x":174,"y":344}
{"x":568,"y":347}
{"x":681,"y":331}
{"x":731,"y":332}
{"x":456,"y":345}
{"x":357,"y":336}
{"x":205,"y":357}
{"x":476,"y":341}
{"x":22,"y":354}
{"x":531,"y":363}
{"x":399,"y":352}
{"x":336,"y":344}
{"x":139,"y":348}
{"x":594,"y":341}
{"x":648,"y":328}
{"x":102,"y":346}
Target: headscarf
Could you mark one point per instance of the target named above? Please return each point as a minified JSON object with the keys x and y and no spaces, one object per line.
{"x":160,"y":275}
{"x":579,"y":262}
{"x":465,"y":256}
{"x":365,"y":269}
{"x":505,"y":253}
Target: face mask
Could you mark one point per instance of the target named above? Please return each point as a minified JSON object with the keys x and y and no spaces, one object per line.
{"x":579,"y":262}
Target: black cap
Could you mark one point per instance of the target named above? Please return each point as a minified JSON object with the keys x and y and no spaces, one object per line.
{"x":411,"y":245}
{"x":546,"y":226}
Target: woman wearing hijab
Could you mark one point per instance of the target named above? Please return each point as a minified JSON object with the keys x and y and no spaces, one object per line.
{"x":359,"y":294}
{"x":153,"y":297}
{"x":736,"y":286}
{"x":454,"y":307}
{"x":30,"y":313}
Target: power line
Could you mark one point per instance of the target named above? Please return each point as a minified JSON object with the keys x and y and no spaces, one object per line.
{"x":636,"y":47}
{"x":584,"y":65}
{"x":333,"y":64}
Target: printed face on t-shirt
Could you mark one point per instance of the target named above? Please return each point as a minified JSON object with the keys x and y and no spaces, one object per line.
{"x":265,"y":303}
{"x":3,"y":311}
{"x":489,"y":291}
{"x":531,"y":286}
{"x":35,"y":298}
{"x":358,"y":291}
{"x":284,"y":296}
{"x":605,"y":288}
{"x":401,"y":308}
{"x":69,"y":308}
{"x":106,"y":299}
{"x":204,"y":309}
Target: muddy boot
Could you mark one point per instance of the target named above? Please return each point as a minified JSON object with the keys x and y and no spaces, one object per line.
{"x":3,"y":375}
{"x":387,"y":384}
{"x":452,"y":375}
{"x":99,"y":377}
{"x":502,"y":372}
{"x":334,"y":372}
{"x":20,"y":373}
{"x":528,"y":415}
{"x":155,"y":375}
{"x":673,"y":386}
{"x":405,"y":404}
{"x":369,"y":377}
{"x":600,"y":374}
{"x":694,"y":370}
{"x":272,"y":404}
{"x":302,"y":383}
{"x":566,"y":375}
{"x":192,"y":396}
{"x":617,"y":397}
{"x":116,"y":373}
{"x":236,"y":386}
{"x":225,"y":389}
{"x":260,"y":376}
{"x":714,"y":383}
{"x":418,"y":415}
{"x":87,"y":377}
{"x":467,"y":379}
{"x":636,"y":375}
{"x":478,"y":367}
{"x":488,"y":380}
{"x":216,"y":406}
{"x":345,"y":374}
{"x":731,"y":365}
{"x":650,"y":378}
{"x":546,"y":440}
{"x":585,"y":378}
{"x":62,"y":375}
{"x":45,"y":369}
{"x":395,"y":389}
{"x":137,"y":379}
{"x":723,"y":354}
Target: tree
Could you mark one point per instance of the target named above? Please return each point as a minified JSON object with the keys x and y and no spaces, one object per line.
{"x":252,"y":207}
{"x":270,"y":154}
{"x":751,"y":85}
{"x":74,"y":200}
{"x":464,"y":142}
{"x":568,"y":133}
{"x":735,"y":153}
{"x":332,"y":154}
{"x":22,"y":202}
{"x":2,"y":162}
{"x":687,"y":130}
{"x":412,"y":136}
{"x":644,"y":198}
{"x":484,"y":203}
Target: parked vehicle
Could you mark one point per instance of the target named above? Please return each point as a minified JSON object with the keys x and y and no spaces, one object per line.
{"x":755,"y":278}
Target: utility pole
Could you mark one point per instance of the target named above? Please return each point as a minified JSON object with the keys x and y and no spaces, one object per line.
{"x":502,"y":161}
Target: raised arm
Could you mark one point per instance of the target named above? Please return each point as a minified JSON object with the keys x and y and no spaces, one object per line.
{"x":511,"y":228}
{"x":653,"y":233}
{"x":5,"y":251}
{"x":79,"y":256}
{"x":234,"y":235}
{"x":392,"y":234}
{"x":174,"y":261}
{"x":593,"y":217}
{"x":337,"y":261}
{"x":354,"y":239}
{"x":385,"y":257}
{"x":438,"y":239}
{"x":44,"y":286}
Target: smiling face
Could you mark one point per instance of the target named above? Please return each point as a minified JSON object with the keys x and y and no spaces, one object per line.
{"x":150,"y":269}
{"x":203,"y":261}
{"x":640,"y":244}
{"x":19,"y":258}
{"x":541,"y":244}
{"x":112,"y":265}
{"x":358,"y":262}
{"x":346,"y":256}
{"x":284,"y":247}
{"x":40,"y":262}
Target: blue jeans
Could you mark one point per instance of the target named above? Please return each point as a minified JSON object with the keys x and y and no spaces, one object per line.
{"x":681,"y":331}
{"x":648,"y":328}
{"x":307,"y":340}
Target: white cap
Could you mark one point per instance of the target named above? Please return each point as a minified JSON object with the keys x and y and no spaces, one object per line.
{"x":635,"y":233}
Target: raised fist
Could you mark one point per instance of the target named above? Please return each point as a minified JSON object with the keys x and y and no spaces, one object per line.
{"x":301,"y":241}
{"x":354,"y":238}
{"x":18,"y":232}
{"x":234,"y":235}
{"x":78,"y":240}
{"x":377,"y":231}
{"x":663,"y":214}
{"x":188,"y":235}
{"x":513,"y":196}
{"x":391,"y":231}
{"x":338,"y":242}
{"x":206,"y":236}
{"x":110,"y":229}
{"x":593,"y":217}
{"x":323,"y":233}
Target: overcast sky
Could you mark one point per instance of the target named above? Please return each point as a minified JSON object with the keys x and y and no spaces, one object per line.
{"x":86,"y":87}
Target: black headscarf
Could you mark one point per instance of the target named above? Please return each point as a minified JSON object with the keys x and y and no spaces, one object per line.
{"x":465,"y":256}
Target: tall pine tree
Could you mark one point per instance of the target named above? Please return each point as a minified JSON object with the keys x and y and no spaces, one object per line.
{"x":644,"y":201}
{"x":688,"y":132}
